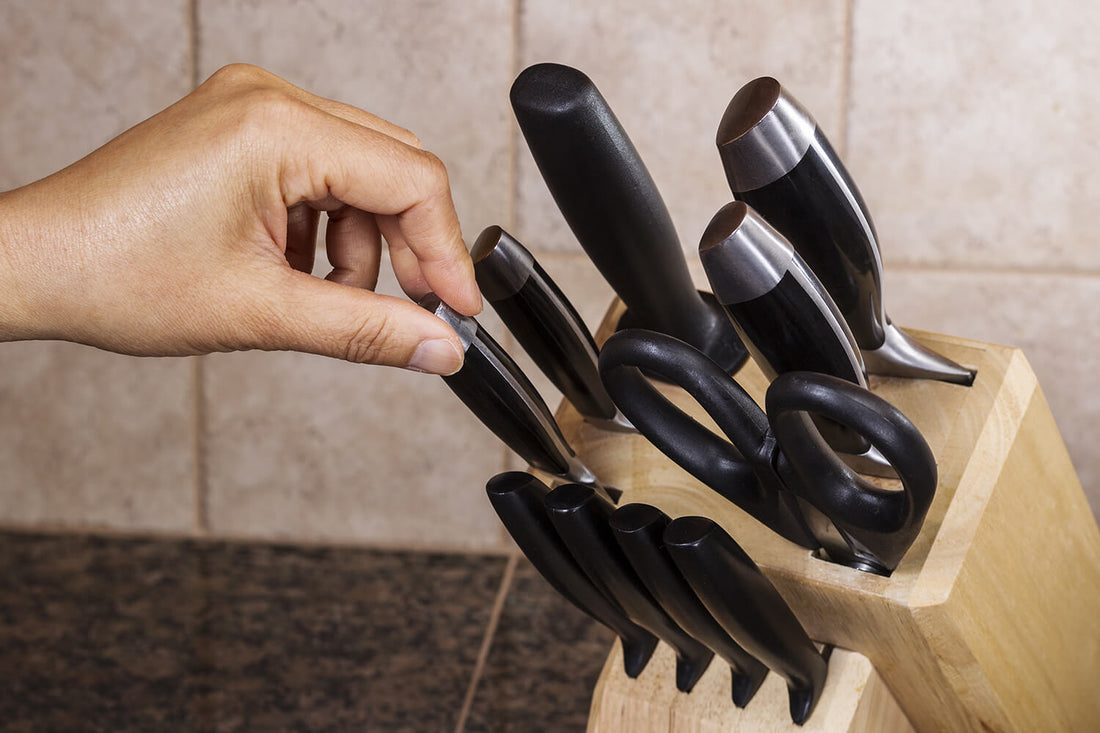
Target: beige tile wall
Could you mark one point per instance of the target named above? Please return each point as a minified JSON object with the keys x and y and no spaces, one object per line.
{"x":967,"y":126}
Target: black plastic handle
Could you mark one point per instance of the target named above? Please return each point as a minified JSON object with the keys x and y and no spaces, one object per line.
{"x":518,"y":499}
{"x":738,"y":468}
{"x":748,"y":607}
{"x":543,"y":320}
{"x":778,"y":160}
{"x":639,"y":529}
{"x":877,"y":526}
{"x":496,"y":390}
{"x":810,"y":198}
{"x":611,"y":203}
{"x":581,"y":519}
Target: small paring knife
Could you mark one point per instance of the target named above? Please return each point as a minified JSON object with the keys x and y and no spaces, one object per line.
{"x":497,"y":391}
{"x":545,"y":323}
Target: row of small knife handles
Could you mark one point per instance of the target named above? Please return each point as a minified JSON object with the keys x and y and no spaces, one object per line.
{"x":795,"y":272}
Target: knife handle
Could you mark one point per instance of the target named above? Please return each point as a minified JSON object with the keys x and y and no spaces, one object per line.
{"x":779,"y":161}
{"x":581,"y":519}
{"x":783,"y":313}
{"x":748,"y":607}
{"x":544,"y":322}
{"x":639,"y":529}
{"x":611,"y":203}
{"x":496,"y":390}
{"x":736,"y":469}
{"x":518,"y":499}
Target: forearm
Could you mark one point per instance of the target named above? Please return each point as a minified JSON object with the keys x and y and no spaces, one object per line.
{"x":15,"y":321}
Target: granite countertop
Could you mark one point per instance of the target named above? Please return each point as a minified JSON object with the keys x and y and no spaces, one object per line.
{"x":122,"y":634}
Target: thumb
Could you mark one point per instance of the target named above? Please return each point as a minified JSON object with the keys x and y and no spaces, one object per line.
{"x":323,"y":317}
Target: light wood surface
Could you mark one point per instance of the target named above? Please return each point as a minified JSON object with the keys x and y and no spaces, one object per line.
{"x":992,"y":619}
{"x":855,"y":699}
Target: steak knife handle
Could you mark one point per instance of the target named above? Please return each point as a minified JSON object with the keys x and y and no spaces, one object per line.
{"x":638,"y":529}
{"x":581,"y":519}
{"x":518,"y":499}
{"x":611,"y":203}
{"x":724,"y":466}
{"x":748,"y":607}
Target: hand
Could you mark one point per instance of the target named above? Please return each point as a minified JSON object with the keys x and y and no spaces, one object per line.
{"x":194,"y":232}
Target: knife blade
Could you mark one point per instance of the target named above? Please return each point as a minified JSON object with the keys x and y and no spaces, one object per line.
{"x":748,"y":607}
{"x":581,"y":519}
{"x":783,"y":314}
{"x":778,"y":160}
{"x":639,"y":529}
{"x":611,"y":203}
{"x":545,"y":323}
{"x":518,"y":499}
{"x":496,"y":390}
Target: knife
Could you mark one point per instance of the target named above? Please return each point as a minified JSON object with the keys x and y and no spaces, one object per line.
{"x":783,"y":314}
{"x":778,"y":160}
{"x":497,"y":391}
{"x":748,"y":607}
{"x":518,"y":499}
{"x":612,"y":205}
{"x":545,"y":323}
{"x":581,"y":519}
{"x":638,"y":529}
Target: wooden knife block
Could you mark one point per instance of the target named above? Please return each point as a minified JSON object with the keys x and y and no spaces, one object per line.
{"x":990,"y":623}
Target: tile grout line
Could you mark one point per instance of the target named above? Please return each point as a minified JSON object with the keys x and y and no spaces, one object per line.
{"x":198,"y":442}
{"x":513,"y":130}
{"x":846,"y":79}
{"x":487,"y":640}
{"x":193,"y":29}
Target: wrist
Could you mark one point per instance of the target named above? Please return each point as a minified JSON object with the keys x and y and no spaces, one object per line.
{"x":15,"y":310}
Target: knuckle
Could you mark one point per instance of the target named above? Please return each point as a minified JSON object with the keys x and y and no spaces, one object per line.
{"x":239,"y":75}
{"x":366,"y":344}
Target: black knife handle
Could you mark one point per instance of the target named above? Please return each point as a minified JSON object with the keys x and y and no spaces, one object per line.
{"x":496,"y":390}
{"x":544,"y":322}
{"x":638,"y":529}
{"x":734,"y":468}
{"x":518,"y":499}
{"x":778,"y":161}
{"x":877,"y":525}
{"x":581,"y":519}
{"x":748,"y":607}
{"x":611,"y":203}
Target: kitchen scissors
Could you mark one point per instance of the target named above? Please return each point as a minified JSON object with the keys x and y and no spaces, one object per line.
{"x":773,"y":463}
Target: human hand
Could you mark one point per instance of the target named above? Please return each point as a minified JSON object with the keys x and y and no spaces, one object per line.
{"x":194,"y":232}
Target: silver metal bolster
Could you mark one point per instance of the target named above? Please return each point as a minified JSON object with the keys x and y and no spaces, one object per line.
{"x":771,"y":147}
{"x":870,"y":462}
{"x":901,"y":356}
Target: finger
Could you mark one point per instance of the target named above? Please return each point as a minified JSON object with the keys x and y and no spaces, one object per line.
{"x":301,"y":237}
{"x":374,"y":172}
{"x":406,"y":267}
{"x":354,"y":247}
{"x":320,"y":317}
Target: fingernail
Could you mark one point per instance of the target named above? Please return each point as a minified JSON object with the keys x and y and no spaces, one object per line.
{"x":436,"y":356}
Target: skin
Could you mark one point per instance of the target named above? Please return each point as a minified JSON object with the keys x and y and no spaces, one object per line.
{"x":193,"y":232}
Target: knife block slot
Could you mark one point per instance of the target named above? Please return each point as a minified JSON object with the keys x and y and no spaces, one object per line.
{"x":989,"y":621}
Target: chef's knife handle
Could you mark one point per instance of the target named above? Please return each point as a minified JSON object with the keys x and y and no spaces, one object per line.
{"x":497,"y":391}
{"x":726,"y":466}
{"x":611,"y":203}
{"x":581,"y":519}
{"x":748,"y":607}
{"x":638,"y":529}
{"x":544,"y":322}
{"x":779,"y":161}
{"x":518,"y":499}
{"x":877,"y":526}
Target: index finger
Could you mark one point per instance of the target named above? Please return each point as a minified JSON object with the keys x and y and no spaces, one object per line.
{"x":375,"y":172}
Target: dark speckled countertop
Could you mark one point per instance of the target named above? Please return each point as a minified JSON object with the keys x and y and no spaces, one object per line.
{"x":122,"y":634}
